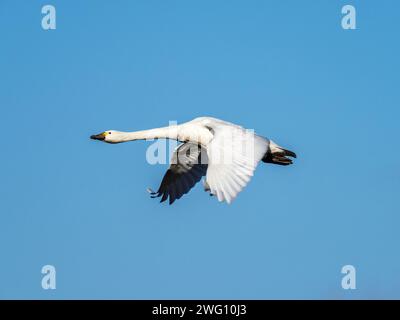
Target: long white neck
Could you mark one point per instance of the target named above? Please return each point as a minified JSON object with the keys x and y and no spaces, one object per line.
{"x":170,"y":132}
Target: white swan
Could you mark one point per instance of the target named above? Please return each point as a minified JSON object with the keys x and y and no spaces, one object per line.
{"x":227,"y":154}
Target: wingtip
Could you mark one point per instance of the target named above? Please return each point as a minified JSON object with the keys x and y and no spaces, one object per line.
{"x":150,"y":190}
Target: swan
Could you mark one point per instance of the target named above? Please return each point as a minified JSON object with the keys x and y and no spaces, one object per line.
{"x":225,"y":153}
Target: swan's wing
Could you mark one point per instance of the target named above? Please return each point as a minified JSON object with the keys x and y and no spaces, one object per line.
{"x":233,"y":155}
{"x":187,"y":167}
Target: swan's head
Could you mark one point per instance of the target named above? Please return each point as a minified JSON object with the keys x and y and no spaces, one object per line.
{"x":110,"y":136}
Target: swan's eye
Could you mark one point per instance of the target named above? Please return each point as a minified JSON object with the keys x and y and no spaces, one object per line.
{"x":109,"y":132}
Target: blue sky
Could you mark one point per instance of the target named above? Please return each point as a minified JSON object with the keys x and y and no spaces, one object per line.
{"x":284,"y":68}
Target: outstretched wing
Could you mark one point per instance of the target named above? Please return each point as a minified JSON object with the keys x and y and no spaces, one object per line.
{"x":188,"y":165}
{"x":233,"y":155}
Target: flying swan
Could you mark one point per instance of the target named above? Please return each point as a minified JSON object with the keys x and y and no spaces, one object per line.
{"x":225,"y":153}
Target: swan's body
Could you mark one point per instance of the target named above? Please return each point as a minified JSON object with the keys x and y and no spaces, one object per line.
{"x":227,"y":154}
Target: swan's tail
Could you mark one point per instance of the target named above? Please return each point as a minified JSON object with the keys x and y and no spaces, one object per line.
{"x":277,"y":155}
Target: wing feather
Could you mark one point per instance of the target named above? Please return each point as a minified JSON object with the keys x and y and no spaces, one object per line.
{"x":183,"y":174}
{"x":233,"y":155}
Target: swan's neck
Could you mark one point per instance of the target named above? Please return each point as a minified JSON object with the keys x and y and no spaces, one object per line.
{"x":170,"y":132}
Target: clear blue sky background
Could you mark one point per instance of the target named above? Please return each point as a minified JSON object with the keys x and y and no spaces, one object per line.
{"x":285,"y":68}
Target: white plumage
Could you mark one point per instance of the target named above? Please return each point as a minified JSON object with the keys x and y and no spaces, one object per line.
{"x":225,"y":153}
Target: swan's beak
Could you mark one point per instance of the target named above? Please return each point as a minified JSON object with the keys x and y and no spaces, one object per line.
{"x":100,"y":136}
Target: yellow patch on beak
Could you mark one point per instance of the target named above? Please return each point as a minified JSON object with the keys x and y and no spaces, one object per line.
{"x":100,"y":136}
